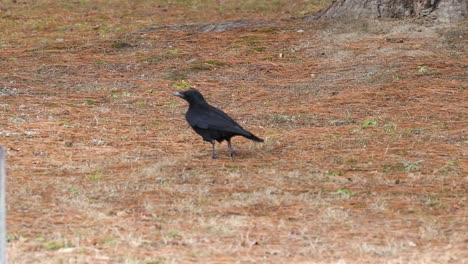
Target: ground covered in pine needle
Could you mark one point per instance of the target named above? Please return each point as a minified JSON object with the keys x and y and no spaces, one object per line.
{"x":365,"y":128}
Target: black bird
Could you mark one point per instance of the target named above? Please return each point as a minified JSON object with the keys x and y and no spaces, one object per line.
{"x":211,"y":123}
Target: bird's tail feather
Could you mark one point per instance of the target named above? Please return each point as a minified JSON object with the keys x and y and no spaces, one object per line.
{"x":254,"y":138}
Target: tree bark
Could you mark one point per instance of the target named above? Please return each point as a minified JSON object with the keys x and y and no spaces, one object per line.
{"x":446,"y":11}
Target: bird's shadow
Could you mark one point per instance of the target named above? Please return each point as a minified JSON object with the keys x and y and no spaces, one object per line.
{"x":224,"y":155}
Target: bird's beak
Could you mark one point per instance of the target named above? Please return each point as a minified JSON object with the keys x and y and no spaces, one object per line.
{"x":181,"y":95}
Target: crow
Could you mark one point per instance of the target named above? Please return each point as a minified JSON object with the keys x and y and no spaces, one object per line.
{"x":211,"y":123}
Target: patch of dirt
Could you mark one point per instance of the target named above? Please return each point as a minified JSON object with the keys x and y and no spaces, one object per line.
{"x":364,"y":124}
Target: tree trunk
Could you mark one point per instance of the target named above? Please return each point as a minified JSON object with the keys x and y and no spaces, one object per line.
{"x":446,"y":11}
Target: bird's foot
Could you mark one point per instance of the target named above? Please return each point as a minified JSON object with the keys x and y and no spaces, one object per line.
{"x":232,"y":153}
{"x":214,"y":156}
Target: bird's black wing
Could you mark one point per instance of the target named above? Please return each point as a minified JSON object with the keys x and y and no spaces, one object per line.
{"x":214,"y":118}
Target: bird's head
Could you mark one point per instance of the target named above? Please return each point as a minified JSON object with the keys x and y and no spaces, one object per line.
{"x":192,"y":96}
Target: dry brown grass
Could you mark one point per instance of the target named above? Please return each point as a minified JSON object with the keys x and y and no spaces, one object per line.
{"x":364,"y":122}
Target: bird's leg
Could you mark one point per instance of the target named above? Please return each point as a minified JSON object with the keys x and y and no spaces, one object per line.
{"x":230,"y":150}
{"x":213,"y":154}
